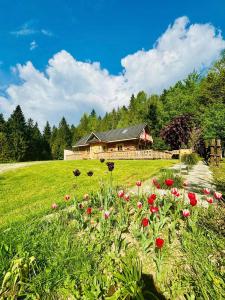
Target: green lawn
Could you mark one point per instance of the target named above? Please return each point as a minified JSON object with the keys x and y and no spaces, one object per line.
{"x":30,"y":191}
{"x":219,"y":176}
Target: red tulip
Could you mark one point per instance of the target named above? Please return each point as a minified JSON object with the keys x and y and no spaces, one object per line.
{"x":169,"y":182}
{"x":191,"y":196}
{"x":89,"y":210}
{"x":145,"y":222}
{"x":127,"y":197}
{"x":159,"y":243}
{"x":210,"y":200}
{"x":138,"y":183}
{"x":54,"y":206}
{"x":206,"y":191}
{"x":154,"y":209}
{"x":186,"y":213}
{"x":139,"y":205}
{"x":218,"y":195}
{"x":67,"y":197}
{"x":151,"y":198}
{"x":121,"y":194}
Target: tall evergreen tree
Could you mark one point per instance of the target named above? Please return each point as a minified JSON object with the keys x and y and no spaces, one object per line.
{"x":17,"y":131}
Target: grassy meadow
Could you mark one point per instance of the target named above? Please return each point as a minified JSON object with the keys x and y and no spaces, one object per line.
{"x":30,"y":191}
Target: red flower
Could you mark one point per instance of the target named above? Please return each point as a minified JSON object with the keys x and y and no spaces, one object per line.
{"x":126,"y":197}
{"x":139,"y":205}
{"x":218,"y":195}
{"x":158,"y":186}
{"x":154,"y":209}
{"x":206,"y":191}
{"x":191,"y":196}
{"x":121,"y":194}
{"x":67,"y":197}
{"x":145,"y":222}
{"x":174,"y":191}
{"x":169,"y":182}
{"x":80,"y":205}
{"x":210,"y":200}
{"x":138,"y":183}
{"x":89,"y":210}
{"x":151,"y":198}
{"x":159,"y":243}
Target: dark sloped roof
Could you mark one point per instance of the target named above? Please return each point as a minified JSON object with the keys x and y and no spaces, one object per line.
{"x":113,"y":135}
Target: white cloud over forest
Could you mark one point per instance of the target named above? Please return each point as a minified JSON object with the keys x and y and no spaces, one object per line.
{"x":69,"y":87}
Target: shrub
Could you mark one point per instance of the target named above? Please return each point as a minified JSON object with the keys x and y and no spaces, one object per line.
{"x":190,"y":159}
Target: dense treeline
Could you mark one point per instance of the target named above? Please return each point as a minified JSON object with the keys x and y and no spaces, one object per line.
{"x":199,"y":99}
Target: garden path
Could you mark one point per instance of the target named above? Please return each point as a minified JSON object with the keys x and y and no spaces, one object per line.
{"x":198,"y":177}
{"x":12,"y":166}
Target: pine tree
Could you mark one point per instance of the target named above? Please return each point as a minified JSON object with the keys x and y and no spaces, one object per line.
{"x":17,"y":132}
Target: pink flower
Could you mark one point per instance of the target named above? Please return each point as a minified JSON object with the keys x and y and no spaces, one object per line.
{"x":67,"y":197}
{"x":206,"y":191}
{"x":54,"y":206}
{"x":127,"y":197}
{"x":139,"y":205}
{"x":106,"y":214}
{"x":218,"y":195}
{"x":86,"y":197}
{"x":154,"y":209}
{"x":120,"y":194}
{"x":210,"y":200}
{"x":186,"y":213}
{"x":177,"y":194}
{"x":138,"y":183}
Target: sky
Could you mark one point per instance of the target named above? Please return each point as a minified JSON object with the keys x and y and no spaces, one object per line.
{"x":63,"y":58}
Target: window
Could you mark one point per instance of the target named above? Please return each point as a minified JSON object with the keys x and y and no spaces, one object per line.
{"x":120,"y":147}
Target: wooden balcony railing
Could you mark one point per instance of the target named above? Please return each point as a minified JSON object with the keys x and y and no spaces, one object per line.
{"x":132,"y":154}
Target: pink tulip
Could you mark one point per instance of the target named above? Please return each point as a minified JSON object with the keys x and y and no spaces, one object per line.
{"x":106,"y":214}
{"x":186,"y":213}
{"x":127,"y":197}
{"x":139,"y":205}
{"x":174,"y":191}
{"x":121,"y":194}
{"x":218,"y":195}
{"x":206,"y":191}
{"x":54,"y":206}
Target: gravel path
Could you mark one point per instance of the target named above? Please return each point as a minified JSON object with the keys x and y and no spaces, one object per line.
{"x":13,"y":166}
{"x":198,"y":177}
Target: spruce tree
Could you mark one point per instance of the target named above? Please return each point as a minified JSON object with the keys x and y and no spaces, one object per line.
{"x":17,"y":133}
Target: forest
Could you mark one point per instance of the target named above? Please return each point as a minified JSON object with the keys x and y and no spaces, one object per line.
{"x":184,"y":115}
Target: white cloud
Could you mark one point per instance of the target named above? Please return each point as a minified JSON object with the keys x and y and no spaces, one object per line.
{"x":33,"y":45}
{"x":69,"y":87}
{"x":28,"y":29}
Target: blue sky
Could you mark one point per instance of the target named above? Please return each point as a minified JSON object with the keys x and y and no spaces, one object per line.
{"x":103,"y":31}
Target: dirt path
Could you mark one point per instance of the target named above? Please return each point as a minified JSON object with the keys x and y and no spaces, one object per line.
{"x":13,"y":166}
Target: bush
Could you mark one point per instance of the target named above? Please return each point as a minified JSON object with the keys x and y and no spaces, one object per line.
{"x":190,"y":159}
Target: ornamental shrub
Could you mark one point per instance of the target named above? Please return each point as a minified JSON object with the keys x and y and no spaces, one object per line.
{"x":190,"y":159}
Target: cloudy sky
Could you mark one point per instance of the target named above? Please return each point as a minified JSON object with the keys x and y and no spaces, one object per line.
{"x":66,"y":57}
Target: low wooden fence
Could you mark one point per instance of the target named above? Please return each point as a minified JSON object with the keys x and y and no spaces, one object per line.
{"x":138,"y":154}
